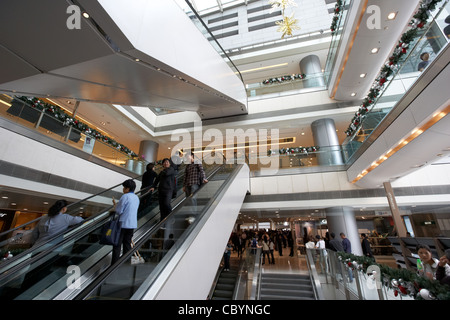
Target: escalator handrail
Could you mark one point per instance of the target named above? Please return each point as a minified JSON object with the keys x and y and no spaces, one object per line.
{"x":185,"y":241}
{"x":79,"y":201}
{"x":125,"y":257}
{"x":75,"y":233}
{"x":68,"y":206}
{"x":100,"y":216}
{"x":103,"y":215}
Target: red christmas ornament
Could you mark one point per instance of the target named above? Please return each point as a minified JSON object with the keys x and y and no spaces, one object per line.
{"x":403,"y":289}
{"x":420,"y":25}
{"x":395,"y":293}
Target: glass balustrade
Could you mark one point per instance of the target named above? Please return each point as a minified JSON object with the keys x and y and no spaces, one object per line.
{"x":162,"y":244}
{"x":350,"y":277}
{"x":41,"y":271}
{"x":326,"y":156}
{"x":19,"y":112}
{"x":430,"y":40}
{"x":187,"y":7}
{"x":277,"y":84}
{"x":338,"y":24}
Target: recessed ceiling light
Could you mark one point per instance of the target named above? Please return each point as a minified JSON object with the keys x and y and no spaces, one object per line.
{"x":353,"y":94}
{"x":13,"y":203}
{"x":362,"y":75}
{"x":375,"y":50}
{"x":45,"y":202}
{"x":4,"y":197}
{"x":392,"y":15}
{"x":86,"y":15}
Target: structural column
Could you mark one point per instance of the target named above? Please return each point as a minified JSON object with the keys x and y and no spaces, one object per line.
{"x":310,"y":66}
{"x":342,"y":219}
{"x":148,"y":150}
{"x":398,"y":220}
{"x":325,"y":137}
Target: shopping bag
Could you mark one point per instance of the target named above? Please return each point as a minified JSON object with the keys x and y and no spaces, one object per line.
{"x":110,"y":234}
{"x":136,"y":258}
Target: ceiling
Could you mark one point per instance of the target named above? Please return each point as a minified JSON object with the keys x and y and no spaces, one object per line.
{"x":36,"y":202}
{"x":357,"y":56}
{"x":94,"y":63}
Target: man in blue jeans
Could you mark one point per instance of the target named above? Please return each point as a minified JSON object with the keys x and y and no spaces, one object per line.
{"x":127,"y":209}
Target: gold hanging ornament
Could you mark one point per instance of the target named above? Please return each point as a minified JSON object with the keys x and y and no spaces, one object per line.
{"x":287,"y":25}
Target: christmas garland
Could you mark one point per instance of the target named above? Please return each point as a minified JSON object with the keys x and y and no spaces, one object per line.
{"x":301,"y":150}
{"x":418,"y":22}
{"x":67,"y":120}
{"x":338,"y":9}
{"x":403,"y":281}
{"x":284,"y":78}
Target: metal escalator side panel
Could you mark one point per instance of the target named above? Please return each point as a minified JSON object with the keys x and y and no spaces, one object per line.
{"x":201,"y":247}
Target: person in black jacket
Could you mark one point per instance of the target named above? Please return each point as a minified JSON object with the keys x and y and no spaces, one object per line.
{"x":335,"y":244}
{"x":148,"y":178}
{"x":365,"y":244}
{"x":443,"y":269}
{"x":165,"y":183}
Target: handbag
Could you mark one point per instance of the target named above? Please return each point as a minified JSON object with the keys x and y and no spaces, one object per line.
{"x":136,"y":258}
{"x":110,"y":234}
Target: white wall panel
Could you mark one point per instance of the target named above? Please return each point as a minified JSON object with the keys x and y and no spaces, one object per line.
{"x":284,"y":184}
{"x":300,"y":183}
{"x":26,"y":152}
{"x":331,"y":181}
{"x":315,"y":182}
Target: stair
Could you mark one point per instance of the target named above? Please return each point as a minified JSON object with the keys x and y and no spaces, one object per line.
{"x":279,"y":286}
{"x":225,"y":285}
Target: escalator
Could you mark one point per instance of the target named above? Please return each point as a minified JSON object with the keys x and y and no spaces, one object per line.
{"x":93,"y":208}
{"x":181,"y":252}
{"x":42,"y":271}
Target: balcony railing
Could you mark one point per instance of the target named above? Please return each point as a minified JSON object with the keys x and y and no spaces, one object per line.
{"x":19,"y":112}
{"x":431,"y":40}
{"x":310,"y":82}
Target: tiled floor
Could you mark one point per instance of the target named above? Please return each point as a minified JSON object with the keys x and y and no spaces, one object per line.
{"x":297,"y":263}
{"x":284,"y":263}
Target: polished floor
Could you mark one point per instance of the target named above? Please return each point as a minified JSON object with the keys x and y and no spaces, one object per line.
{"x":297,"y":262}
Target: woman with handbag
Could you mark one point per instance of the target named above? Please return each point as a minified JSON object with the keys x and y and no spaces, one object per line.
{"x":127,"y":210}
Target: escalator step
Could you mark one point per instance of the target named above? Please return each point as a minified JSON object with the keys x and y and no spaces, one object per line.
{"x":223,"y":286}
{"x":223,"y":293}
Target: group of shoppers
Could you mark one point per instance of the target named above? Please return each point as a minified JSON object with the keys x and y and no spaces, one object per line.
{"x":56,"y":221}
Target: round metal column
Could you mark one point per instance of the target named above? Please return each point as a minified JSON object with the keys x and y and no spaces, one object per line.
{"x":342,"y":219}
{"x":148,"y":150}
{"x":325,"y":137}
{"x":310,"y":65}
